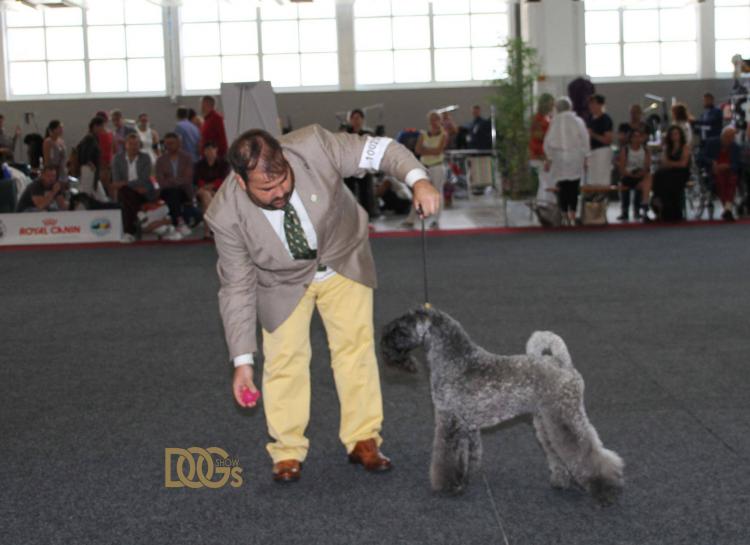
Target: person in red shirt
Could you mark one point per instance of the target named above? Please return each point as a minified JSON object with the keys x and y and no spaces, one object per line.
{"x":213,"y":126}
{"x":208,"y":175}
{"x":106,"y":151}
{"x":539,"y":126}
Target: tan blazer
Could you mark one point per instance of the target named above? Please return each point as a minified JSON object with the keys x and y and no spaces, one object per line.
{"x":256,"y":272}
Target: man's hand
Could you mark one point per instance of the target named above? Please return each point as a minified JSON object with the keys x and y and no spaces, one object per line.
{"x":243,"y":377}
{"x":426,"y":198}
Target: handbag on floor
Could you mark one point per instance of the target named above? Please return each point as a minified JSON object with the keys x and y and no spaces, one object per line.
{"x":594,"y":212}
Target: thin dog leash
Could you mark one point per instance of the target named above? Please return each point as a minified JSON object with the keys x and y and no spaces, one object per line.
{"x":424,"y":260}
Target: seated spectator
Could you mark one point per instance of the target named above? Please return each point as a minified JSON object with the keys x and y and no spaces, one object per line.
{"x":673,"y":174}
{"x":190,"y":135}
{"x":681,"y":118}
{"x":131,"y":183}
{"x":174,"y":173}
{"x":208,"y":176}
{"x":394,"y":195}
{"x":722,"y":155}
{"x":45,"y":194}
{"x":634,"y":166}
{"x":566,"y":146}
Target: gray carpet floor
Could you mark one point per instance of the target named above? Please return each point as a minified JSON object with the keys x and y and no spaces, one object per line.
{"x":111,"y":355}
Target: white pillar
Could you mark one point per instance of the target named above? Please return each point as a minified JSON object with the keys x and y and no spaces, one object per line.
{"x":555,"y":29}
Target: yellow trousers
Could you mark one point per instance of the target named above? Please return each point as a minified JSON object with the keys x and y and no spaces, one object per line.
{"x":346,"y":309}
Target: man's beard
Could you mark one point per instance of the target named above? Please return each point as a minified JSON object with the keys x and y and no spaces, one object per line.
{"x":276,"y":204}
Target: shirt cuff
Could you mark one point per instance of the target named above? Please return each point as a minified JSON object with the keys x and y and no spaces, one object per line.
{"x":414,"y":175}
{"x":243,"y":359}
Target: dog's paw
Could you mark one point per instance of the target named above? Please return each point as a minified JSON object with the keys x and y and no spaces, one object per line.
{"x":604,"y":491}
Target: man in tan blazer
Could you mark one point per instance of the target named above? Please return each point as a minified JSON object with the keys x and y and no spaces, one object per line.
{"x":291,"y":237}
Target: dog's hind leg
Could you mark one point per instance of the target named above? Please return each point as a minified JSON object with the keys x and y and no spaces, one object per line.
{"x":574,"y":439}
{"x":560,"y":477}
{"x":451,"y":454}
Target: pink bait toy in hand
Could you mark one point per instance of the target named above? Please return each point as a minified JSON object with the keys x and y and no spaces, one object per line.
{"x":249,"y":397}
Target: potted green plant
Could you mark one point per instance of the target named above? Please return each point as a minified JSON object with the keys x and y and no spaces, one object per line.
{"x":514,"y":105}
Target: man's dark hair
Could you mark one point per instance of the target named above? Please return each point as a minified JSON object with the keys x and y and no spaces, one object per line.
{"x":182,"y":112}
{"x":96,"y":122}
{"x":256,"y":149}
{"x":171,"y":135}
{"x":599,"y":99}
{"x":49,"y":167}
{"x":208,"y":98}
{"x":2,"y":116}
{"x":357,"y":111}
{"x":210,"y":144}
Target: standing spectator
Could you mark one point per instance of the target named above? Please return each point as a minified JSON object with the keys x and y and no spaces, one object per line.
{"x":8,"y":143}
{"x":635,"y":122}
{"x":190,"y":135}
{"x":673,"y":174}
{"x":634,"y":165}
{"x":89,"y":157}
{"x":213,"y":126}
{"x":149,"y":138}
{"x":362,"y":187}
{"x":131,"y":183}
{"x":480,"y":130}
{"x":208,"y":176}
{"x":430,"y":147}
{"x":451,"y":129}
{"x":174,"y":173}
{"x":723,"y":157}
{"x":711,"y":120}
{"x":45,"y":194}
{"x":106,"y":149}
{"x":195,"y":119}
{"x":121,"y":131}
{"x":566,"y":146}
{"x":681,"y":118}
{"x":600,"y":132}
{"x":54,"y":151}
{"x":539,"y":127}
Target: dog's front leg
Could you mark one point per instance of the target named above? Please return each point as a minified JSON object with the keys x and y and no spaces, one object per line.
{"x":451,"y":454}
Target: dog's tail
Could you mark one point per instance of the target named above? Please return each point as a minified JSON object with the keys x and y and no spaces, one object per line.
{"x":546,"y":343}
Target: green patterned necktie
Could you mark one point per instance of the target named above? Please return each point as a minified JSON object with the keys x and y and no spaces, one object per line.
{"x":295,"y":235}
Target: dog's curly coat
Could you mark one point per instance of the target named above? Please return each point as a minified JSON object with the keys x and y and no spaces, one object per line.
{"x":474,"y":389}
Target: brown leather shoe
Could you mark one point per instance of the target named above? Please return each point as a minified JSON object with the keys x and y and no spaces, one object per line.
{"x":367,"y":453}
{"x":287,"y":471}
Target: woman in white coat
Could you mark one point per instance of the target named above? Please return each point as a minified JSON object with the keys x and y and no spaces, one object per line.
{"x":566,"y":146}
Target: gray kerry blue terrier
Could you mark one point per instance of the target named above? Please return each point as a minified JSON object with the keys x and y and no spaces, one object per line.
{"x":474,"y":389}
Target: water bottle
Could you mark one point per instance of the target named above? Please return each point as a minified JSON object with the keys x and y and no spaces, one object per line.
{"x":6,"y":172}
